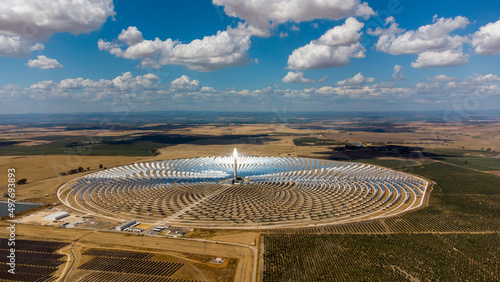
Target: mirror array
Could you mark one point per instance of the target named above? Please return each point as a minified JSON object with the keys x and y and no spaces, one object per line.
{"x":277,"y":192}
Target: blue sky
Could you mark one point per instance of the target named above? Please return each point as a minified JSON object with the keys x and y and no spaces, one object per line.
{"x":211,"y":55}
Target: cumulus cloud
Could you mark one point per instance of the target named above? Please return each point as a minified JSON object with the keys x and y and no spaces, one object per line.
{"x":262,"y":14}
{"x":454,"y":87}
{"x":433,"y":43}
{"x":125,"y":82}
{"x":184,"y":83}
{"x":131,"y":35}
{"x":314,"y":56}
{"x":208,"y":89}
{"x":43,"y":85}
{"x":141,"y":82}
{"x":485,"y":78}
{"x":148,"y":90}
{"x":125,"y":86}
{"x":332,"y":49}
{"x":487,"y":39}
{"x":342,"y":35}
{"x":16,"y":46}
{"x":398,"y":73}
{"x":226,"y":48}
{"x":435,"y":59}
{"x":358,"y":79}
{"x":24,"y":24}
{"x":229,"y":47}
{"x":79,"y":83}
{"x":44,"y":63}
{"x":296,"y":77}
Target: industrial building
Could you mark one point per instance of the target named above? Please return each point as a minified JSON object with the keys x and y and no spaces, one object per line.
{"x":125,"y":225}
{"x":57,"y":215}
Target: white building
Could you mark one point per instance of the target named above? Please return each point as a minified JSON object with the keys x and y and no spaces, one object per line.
{"x":125,"y":225}
{"x":57,"y":215}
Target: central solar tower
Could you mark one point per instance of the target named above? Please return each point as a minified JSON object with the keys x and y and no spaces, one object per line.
{"x":235,"y":156}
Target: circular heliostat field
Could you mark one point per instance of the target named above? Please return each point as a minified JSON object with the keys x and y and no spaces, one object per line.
{"x":273,"y":192}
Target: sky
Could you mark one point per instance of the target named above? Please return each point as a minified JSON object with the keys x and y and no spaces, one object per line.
{"x":228,"y":55}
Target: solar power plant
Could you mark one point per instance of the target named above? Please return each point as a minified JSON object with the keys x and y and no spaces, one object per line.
{"x":272,"y":192}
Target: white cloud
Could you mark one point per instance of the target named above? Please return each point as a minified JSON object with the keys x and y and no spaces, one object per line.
{"x":225,"y":49}
{"x":42,"y":18}
{"x":444,"y":87}
{"x":16,"y":46}
{"x":296,"y":77}
{"x":332,"y":49}
{"x":25,"y":23}
{"x":44,"y":63}
{"x":148,"y":90}
{"x":435,"y":37}
{"x":141,"y":82}
{"x":131,"y":35}
{"x":368,"y":92}
{"x":184,"y":83}
{"x":294,"y":28}
{"x":79,"y":83}
{"x":342,"y":35}
{"x":358,"y":79}
{"x":398,"y":73}
{"x":43,"y":85}
{"x":433,"y":43}
{"x":261,"y":13}
{"x":229,"y":48}
{"x":283,"y":34}
{"x":314,"y":56}
{"x":487,"y":39}
{"x":485,"y":78}
{"x":434,"y":59}
{"x":207,"y":89}
{"x":441,"y":77}
{"x":126,"y":86}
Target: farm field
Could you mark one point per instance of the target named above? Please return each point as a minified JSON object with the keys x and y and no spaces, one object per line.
{"x":381,"y":257}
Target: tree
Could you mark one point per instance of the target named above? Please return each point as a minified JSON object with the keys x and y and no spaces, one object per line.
{"x":22,"y":181}
{"x":88,"y":168}
{"x":80,"y":169}
{"x":100,"y":166}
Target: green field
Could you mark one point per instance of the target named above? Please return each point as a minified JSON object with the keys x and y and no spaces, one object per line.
{"x":392,"y":257}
